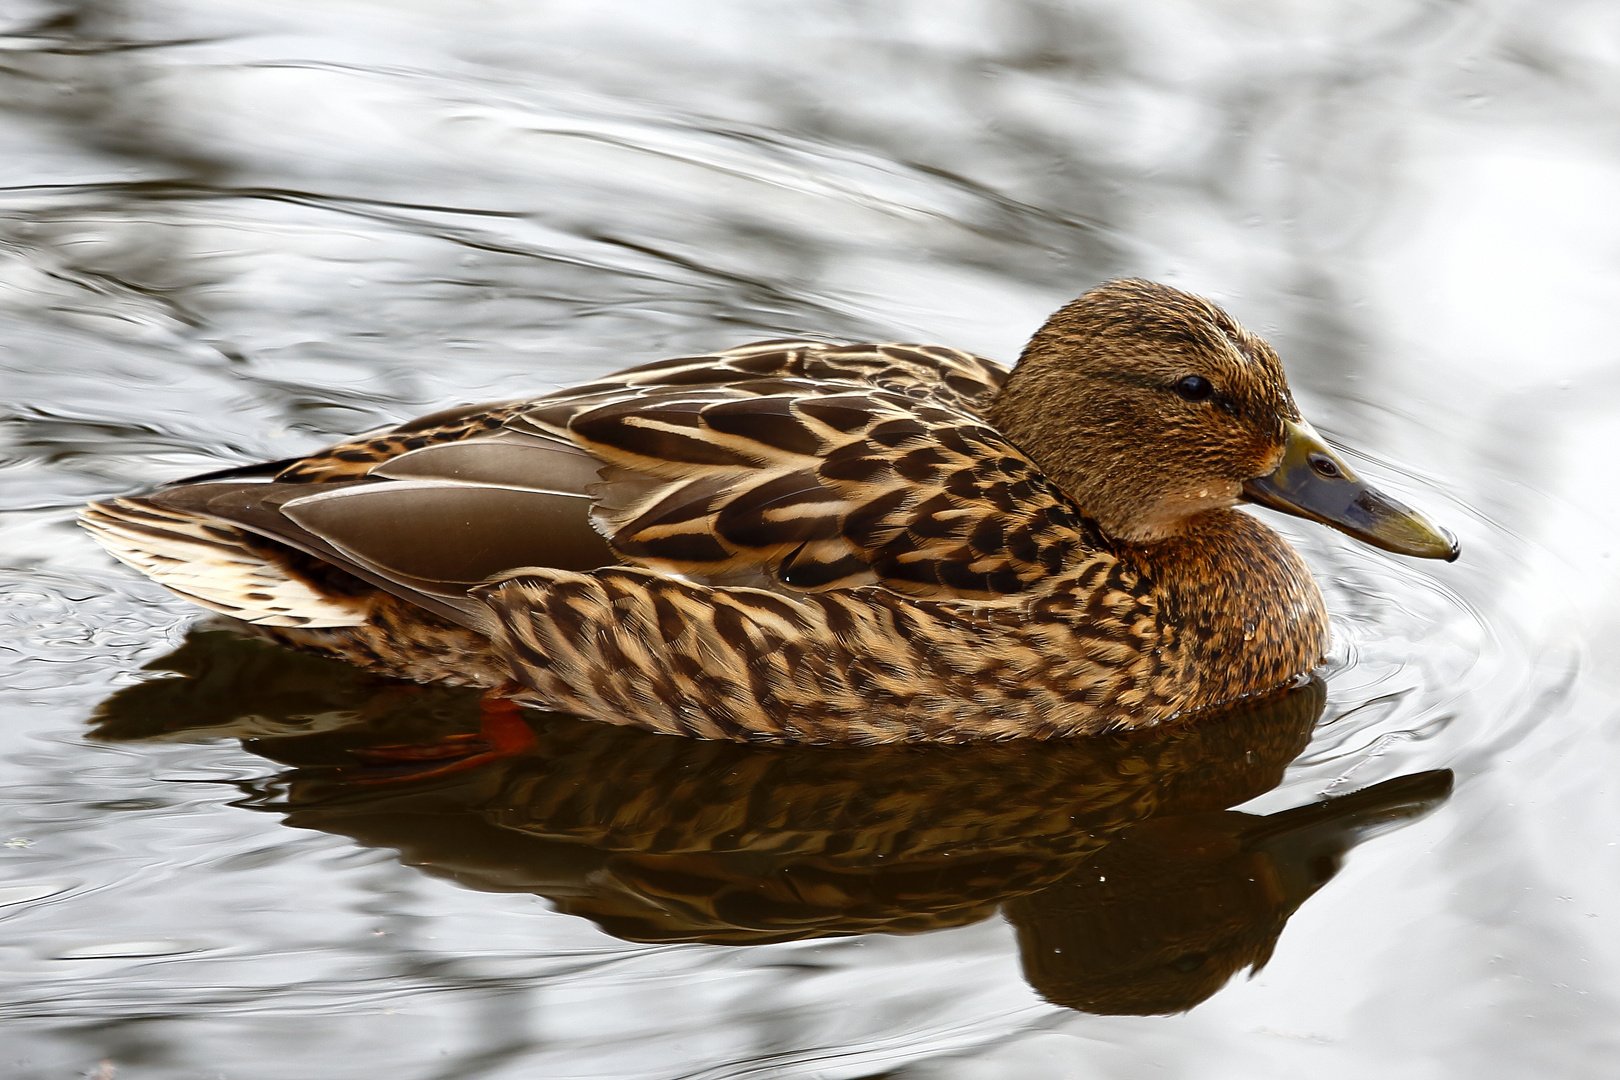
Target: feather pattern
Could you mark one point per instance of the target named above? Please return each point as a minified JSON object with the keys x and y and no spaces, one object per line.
{"x":863,"y":665}
{"x":822,"y":467}
{"x":221,"y":567}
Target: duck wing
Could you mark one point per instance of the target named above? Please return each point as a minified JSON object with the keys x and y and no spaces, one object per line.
{"x":792,"y":465}
{"x":304,"y":542}
{"x":804,"y":467}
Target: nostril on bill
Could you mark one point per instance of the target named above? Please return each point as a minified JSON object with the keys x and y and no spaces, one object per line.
{"x":1325,"y":467}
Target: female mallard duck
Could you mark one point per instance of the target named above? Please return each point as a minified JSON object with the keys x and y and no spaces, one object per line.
{"x":801,"y":542}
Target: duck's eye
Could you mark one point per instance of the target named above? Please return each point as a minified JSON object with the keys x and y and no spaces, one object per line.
{"x":1193,"y":388}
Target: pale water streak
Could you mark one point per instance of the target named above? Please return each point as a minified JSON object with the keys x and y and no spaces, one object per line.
{"x":233,"y":230}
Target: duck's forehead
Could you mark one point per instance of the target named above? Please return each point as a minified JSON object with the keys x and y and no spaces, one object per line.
{"x":1257,"y":374}
{"x":1191,"y":323}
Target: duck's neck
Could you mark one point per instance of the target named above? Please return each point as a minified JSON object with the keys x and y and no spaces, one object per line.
{"x":1246,"y":613}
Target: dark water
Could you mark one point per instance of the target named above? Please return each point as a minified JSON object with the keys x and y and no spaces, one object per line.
{"x":232,"y":231}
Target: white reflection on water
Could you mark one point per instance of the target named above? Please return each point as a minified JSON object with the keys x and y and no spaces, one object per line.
{"x":262,"y":226}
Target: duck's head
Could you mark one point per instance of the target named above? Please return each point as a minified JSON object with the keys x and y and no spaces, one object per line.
{"x":1151,"y":407}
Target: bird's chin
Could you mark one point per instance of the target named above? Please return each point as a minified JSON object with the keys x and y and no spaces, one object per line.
{"x":1175,"y":514}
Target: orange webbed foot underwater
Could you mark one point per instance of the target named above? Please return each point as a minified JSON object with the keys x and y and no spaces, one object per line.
{"x":502,"y":733}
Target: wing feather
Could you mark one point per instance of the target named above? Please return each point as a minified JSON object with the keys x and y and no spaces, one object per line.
{"x":793,"y":464}
{"x":815,"y":467}
{"x":218,"y":566}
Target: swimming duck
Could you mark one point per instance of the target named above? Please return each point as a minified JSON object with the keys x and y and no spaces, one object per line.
{"x":794,"y":541}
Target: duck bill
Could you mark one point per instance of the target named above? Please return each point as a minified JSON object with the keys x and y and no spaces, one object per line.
{"x":1314,"y":483}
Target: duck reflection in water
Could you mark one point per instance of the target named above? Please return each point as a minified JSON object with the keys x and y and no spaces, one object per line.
{"x":1131,"y":885}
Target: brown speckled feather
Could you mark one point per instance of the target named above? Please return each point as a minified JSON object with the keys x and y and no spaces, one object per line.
{"x":863,"y":665}
{"x":354,"y":458}
{"x":1100,"y":646}
{"x":804,"y":478}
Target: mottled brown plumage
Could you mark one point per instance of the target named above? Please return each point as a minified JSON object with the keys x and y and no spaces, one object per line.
{"x":794,"y":541}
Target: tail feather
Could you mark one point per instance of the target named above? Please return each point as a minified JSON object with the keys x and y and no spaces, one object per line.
{"x":217,"y":565}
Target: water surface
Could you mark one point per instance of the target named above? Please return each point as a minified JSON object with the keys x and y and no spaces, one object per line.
{"x":232,"y":231}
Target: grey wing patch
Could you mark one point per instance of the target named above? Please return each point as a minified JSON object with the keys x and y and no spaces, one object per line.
{"x":445,"y":537}
{"x":504,"y":458}
{"x":423,"y":524}
{"x":257,"y":509}
{"x":450,"y":514}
